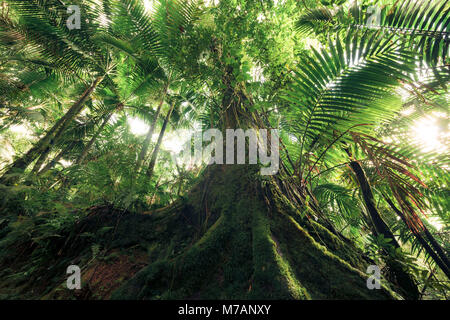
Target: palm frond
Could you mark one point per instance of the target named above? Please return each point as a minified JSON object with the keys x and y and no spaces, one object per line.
{"x":347,"y":87}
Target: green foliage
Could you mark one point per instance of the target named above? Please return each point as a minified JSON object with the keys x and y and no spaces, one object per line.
{"x":339,"y":90}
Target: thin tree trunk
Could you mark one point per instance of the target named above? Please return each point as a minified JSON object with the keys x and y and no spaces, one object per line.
{"x":439,"y":257}
{"x":436,"y":246}
{"x":154,"y":193}
{"x":151,"y":166}
{"x":52,"y":163}
{"x":88,"y":146}
{"x":40,"y":161}
{"x":52,"y":136}
{"x":148,"y":138}
{"x":380,"y":226}
{"x":404,"y":279}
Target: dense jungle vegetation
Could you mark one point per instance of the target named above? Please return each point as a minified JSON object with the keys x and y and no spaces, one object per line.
{"x":92,"y":118}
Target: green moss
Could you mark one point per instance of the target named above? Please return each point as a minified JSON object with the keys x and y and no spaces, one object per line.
{"x":322,"y":273}
{"x":221,"y":242}
{"x":333,"y":243}
{"x":273,"y":276}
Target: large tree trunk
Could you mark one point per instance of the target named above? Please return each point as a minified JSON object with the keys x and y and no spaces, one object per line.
{"x":237,"y":236}
{"x":255,"y":246}
{"x":41,"y":148}
{"x":246,"y":239}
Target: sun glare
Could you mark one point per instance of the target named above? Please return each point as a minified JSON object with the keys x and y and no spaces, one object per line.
{"x":430,"y":134}
{"x":148,"y":5}
{"x":173,"y":144}
{"x":436,"y":222}
{"x":137,"y":126}
{"x":176,"y":141}
{"x":19,"y":129}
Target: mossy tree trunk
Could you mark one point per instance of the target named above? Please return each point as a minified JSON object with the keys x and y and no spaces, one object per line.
{"x":255,"y":238}
{"x":251,"y":244}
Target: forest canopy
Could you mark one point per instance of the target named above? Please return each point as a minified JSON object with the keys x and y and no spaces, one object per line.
{"x":99,"y":99}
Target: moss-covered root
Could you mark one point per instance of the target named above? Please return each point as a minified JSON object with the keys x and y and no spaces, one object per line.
{"x":322,"y":273}
{"x":273,"y":276}
{"x":247,"y":255}
{"x":253,"y":252}
{"x":182,"y":276}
